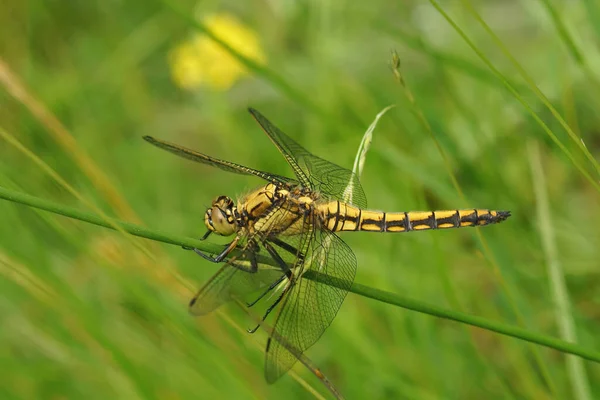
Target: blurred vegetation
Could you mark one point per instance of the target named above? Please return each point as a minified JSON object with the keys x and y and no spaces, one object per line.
{"x":91,"y":313}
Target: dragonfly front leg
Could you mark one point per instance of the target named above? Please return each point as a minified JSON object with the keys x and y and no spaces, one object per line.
{"x":250,"y":250}
{"x":206,"y":235}
{"x":228,"y":249}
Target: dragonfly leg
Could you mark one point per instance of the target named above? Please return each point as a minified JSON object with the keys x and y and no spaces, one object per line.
{"x":271,"y":287}
{"x":289,"y":248}
{"x":282,"y":264}
{"x":287,"y":273}
{"x":253,"y":250}
{"x":222,"y":255}
{"x":206,"y":235}
{"x":206,"y":256}
{"x":272,"y":306}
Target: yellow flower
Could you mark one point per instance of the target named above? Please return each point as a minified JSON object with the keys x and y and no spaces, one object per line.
{"x":200,"y":61}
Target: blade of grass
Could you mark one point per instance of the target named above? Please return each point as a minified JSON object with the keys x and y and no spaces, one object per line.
{"x":361,"y":154}
{"x":558,"y":287}
{"x":480,"y":322}
{"x":576,"y":53}
{"x":593,"y":13}
{"x":361,"y":290}
{"x":280,"y":83}
{"x":83,"y":330}
{"x":592,"y":79}
{"x":533,"y":88}
{"x":450,"y":292}
{"x":304,"y":360}
{"x":61,"y":135}
{"x":521,"y":100}
{"x":54,"y":175}
{"x":563,"y":33}
{"x":458,"y":63}
{"x":105,"y":221}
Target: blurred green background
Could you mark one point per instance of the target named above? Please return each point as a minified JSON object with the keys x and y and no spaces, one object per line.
{"x":90,"y":313}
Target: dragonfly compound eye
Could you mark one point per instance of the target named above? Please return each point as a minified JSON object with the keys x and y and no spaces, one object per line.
{"x":208,"y":220}
{"x":219,"y":218}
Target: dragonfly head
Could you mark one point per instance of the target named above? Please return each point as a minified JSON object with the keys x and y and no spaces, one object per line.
{"x":220,"y":217}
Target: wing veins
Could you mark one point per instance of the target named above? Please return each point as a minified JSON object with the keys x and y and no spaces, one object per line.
{"x":215,"y":162}
{"x":311,"y":306}
{"x":312,"y":171}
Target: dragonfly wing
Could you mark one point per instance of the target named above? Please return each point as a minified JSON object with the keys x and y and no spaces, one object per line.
{"x":231,"y":282}
{"x":312,"y":171}
{"x":335,"y":181}
{"x":215,"y":162}
{"x":310,"y":306}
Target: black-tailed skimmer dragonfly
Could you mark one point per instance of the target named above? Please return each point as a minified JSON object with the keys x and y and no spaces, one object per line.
{"x":293,"y":223}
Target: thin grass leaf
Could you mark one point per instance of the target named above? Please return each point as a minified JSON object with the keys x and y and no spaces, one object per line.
{"x":534,"y":88}
{"x":448,"y":166}
{"x":542,"y":365}
{"x":558,"y":287}
{"x":563,"y":32}
{"x":455,"y":62}
{"x":521,"y":100}
{"x":365,"y":143}
{"x":361,"y":154}
{"x":593,"y":13}
{"x":62,"y":182}
{"x":361,"y":290}
{"x":65,"y":140}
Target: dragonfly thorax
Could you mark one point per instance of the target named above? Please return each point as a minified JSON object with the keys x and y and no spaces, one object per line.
{"x":220,"y":218}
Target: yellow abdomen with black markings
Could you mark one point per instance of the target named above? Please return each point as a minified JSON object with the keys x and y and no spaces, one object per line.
{"x":339,"y":216}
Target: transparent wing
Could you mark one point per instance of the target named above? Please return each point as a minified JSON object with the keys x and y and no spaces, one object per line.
{"x":312,"y":171}
{"x":310,"y":306}
{"x":215,"y":162}
{"x":230,"y":282}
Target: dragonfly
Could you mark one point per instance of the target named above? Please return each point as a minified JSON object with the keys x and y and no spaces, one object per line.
{"x":288,"y":227}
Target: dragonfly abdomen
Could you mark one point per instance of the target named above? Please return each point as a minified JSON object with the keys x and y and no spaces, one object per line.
{"x":339,"y":216}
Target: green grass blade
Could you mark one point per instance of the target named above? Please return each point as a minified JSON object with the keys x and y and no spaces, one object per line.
{"x":455,"y":62}
{"x":104,"y":222}
{"x":504,"y":329}
{"x":448,"y":285}
{"x":527,"y":107}
{"x":361,"y":290}
{"x":558,"y":287}
{"x":593,"y":13}
{"x":576,"y":139}
{"x":365,"y":143}
{"x":562,"y":31}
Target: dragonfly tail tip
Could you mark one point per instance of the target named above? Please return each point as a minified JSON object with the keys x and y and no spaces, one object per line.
{"x":503,"y":215}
